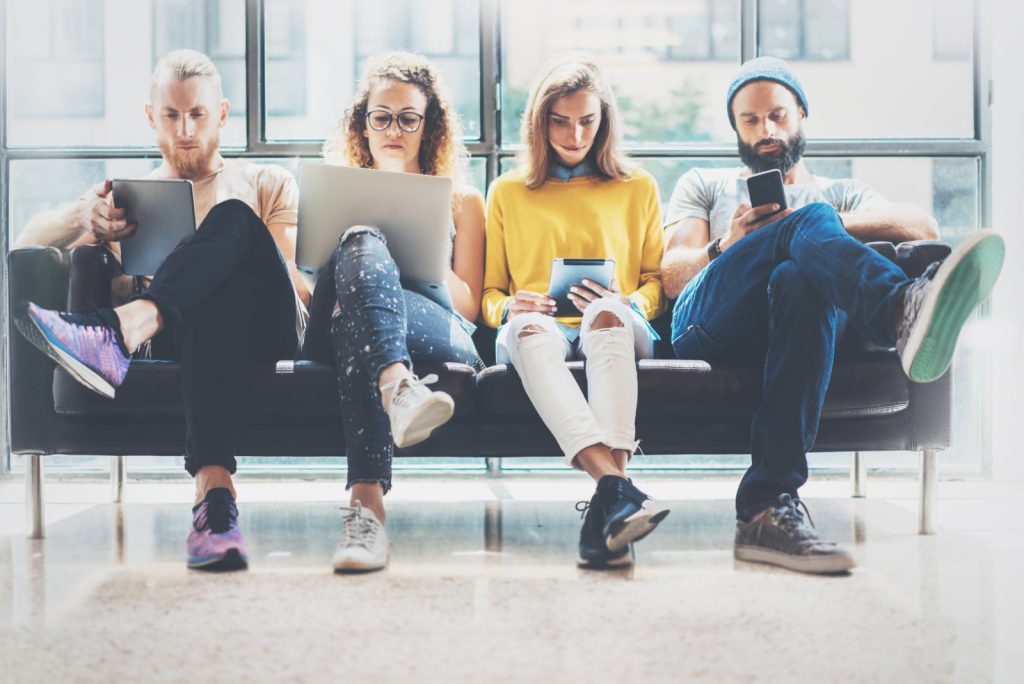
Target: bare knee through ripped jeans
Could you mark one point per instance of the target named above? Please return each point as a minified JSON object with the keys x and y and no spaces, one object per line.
{"x":612,"y":337}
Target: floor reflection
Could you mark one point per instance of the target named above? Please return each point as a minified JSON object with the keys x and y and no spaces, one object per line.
{"x":486,"y":566}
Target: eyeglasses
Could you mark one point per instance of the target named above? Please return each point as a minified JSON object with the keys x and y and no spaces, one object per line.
{"x":380,"y":120}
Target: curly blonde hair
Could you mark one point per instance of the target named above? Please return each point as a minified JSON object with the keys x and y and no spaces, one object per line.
{"x":442,"y":152}
{"x":568,"y":74}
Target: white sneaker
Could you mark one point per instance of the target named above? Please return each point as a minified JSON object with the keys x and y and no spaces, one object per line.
{"x":364,"y":543}
{"x":415,"y":411}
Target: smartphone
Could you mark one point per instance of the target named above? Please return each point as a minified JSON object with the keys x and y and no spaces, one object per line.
{"x":568,"y":272}
{"x":766,"y":188}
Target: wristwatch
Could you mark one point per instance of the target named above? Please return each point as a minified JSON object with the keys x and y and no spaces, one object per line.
{"x":714,"y":248}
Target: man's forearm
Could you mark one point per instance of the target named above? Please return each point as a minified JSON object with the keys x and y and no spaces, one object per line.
{"x":895,"y":223}
{"x":679,"y":266}
{"x":55,"y":228}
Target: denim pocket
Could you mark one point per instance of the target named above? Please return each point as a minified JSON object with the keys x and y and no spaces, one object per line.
{"x":695,"y":344}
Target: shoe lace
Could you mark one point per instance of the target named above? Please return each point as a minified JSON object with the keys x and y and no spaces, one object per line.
{"x":218,"y":515}
{"x":789,"y":515}
{"x":582,"y":507}
{"x":405,"y":390}
{"x":93,"y":323}
{"x":359,"y":530}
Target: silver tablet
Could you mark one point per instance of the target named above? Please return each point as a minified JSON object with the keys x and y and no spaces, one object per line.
{"x":165,"y":213}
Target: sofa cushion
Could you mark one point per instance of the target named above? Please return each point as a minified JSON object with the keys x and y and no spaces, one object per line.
{"x":873,"y":385}
{"x":291,"y":390}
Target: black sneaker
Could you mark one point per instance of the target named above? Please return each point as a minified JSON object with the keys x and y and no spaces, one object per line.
{"x":783,"y":537}
{"x":630,"y":515}
{"x":594,"y":552}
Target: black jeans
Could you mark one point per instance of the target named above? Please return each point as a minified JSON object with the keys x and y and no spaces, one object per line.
{"x":228,"y":305}
{"x":379,"y":323}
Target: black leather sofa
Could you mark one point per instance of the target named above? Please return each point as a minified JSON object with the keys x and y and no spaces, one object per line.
{"x":684,"y":406}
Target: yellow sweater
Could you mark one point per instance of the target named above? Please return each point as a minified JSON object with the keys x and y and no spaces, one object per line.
{"x":584,"y":217}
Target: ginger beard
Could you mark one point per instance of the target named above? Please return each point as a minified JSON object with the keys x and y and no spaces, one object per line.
{"x":190,"y":162}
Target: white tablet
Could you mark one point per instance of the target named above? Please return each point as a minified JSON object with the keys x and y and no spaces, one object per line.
{"x":165,"y":213}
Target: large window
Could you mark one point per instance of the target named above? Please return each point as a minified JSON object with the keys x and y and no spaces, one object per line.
{"x":316,"y":51}
{"x":891,"y":86}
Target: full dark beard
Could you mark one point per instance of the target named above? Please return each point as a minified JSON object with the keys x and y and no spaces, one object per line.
{"x":190,"y":164}
{"x":787,"y":156}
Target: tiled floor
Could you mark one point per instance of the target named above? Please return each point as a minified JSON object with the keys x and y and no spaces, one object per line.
{"x":482,"y":587}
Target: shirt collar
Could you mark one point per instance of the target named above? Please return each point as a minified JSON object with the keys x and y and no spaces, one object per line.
{"x":561,"y":172}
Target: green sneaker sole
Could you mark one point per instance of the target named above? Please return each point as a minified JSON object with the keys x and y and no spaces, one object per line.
{"x":962,"y":287}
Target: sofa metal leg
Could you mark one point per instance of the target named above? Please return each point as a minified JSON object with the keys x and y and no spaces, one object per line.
{"x":859,"y":475}
{"x":118,"y":473}
{"x":493,"y":465}
{"x":929,"y":477}
{"x":34,"y":496}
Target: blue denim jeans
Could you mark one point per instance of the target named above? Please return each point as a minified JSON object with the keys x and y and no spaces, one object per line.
{"x":378,"y":323}
{"x":776,"y":298}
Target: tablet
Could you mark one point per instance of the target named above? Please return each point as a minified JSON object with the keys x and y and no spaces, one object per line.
{"x":165,"y":212}
{"x":568,"y":272}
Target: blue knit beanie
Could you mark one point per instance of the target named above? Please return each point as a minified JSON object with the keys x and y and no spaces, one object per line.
{"x":764,"y":69}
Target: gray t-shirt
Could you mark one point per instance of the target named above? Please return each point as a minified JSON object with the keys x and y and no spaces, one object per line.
{"x":714,"y":195}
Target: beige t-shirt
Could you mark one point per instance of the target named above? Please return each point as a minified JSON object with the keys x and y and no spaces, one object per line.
{"x":269,"y":190}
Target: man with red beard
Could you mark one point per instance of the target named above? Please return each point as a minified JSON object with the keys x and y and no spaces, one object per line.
{"x":774,"y":288}
{"x":227,"y":298}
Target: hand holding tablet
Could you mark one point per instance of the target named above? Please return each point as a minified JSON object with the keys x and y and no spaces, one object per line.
{"x":567,"y":274}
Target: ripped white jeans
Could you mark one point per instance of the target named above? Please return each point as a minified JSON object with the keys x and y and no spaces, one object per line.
{"x":609,"y":417}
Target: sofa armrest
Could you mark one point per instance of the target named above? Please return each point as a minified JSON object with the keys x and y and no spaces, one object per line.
{"x":94,"y":275}
{"x":38,"y":275}
{"x":915,"y":256}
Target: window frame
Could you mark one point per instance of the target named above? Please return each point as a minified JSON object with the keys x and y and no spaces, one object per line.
{"x":489,"y":145}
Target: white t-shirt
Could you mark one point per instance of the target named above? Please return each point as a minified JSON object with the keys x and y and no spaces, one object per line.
{"x":714,"y":195}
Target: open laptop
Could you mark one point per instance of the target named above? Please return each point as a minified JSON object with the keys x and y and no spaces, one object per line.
{"x":413,"y":212}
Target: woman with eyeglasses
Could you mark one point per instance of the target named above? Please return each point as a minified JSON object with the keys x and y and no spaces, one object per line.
{"x":362,"y":318}
{"x":575,"y":195}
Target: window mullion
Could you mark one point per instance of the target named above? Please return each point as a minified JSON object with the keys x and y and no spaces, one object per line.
{"x":255,"y":122}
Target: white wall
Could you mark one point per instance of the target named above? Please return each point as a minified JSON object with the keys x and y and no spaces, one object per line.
{"x":1008,"y":217}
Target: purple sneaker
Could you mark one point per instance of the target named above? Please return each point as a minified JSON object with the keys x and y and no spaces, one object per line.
{"x":215,"y":542}
{"x":85,"y":345}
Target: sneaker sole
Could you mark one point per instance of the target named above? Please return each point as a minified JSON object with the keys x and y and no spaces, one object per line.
{"x":349,"y":567}
{"x":436,"y":412}
{"x":962,"y":285}
{"x":231,"y":560}
{"x":40,"y":339}
{"x":622,"y":561}
{"x":815,"y":565}
{"x":635,"y":527}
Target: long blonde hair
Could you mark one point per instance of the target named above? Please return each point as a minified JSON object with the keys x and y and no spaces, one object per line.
{"x":441,"y":150}
{"x":567,"y":75}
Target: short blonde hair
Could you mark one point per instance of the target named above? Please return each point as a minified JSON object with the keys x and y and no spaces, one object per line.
{"x":183,"y":65}
{"x":442,"y":152}
{"x":567,"y":75}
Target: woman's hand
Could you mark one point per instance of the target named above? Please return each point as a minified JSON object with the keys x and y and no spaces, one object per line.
{"x":529,"y":302}
{"x":591,"y":292}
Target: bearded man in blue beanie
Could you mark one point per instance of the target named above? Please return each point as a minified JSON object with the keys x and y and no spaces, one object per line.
{"x":775,"y":287}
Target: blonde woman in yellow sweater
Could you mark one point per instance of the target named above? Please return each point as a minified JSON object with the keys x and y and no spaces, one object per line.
{"x":575,"y":195}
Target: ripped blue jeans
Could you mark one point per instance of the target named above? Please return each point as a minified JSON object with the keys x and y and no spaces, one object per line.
{"x":378,"y":323}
